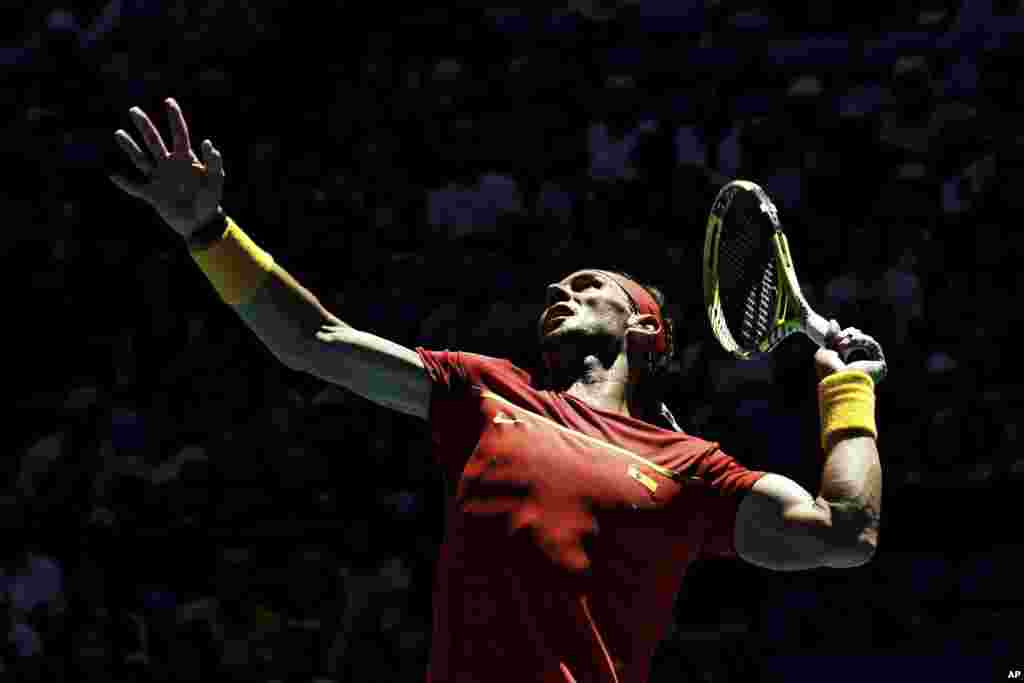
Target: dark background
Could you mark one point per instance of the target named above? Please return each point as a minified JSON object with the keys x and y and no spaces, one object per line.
{"x":177,"y":506}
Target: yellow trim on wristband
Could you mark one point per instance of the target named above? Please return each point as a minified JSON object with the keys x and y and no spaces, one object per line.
{"x":235,"y":266}
{"x":846,"y":401}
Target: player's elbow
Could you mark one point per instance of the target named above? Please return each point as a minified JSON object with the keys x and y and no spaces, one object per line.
{"x":853,"y":531}
{"x":855,"y":553}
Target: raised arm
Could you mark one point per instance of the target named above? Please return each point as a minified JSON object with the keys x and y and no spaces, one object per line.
{"x":287,"y":317}
{"x":781,"y":526}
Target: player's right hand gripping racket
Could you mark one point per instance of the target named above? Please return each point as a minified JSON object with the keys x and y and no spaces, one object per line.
{"x":751,"y":290}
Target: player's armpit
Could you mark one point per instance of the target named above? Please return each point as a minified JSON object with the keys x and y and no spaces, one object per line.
{"x":780,"y":526}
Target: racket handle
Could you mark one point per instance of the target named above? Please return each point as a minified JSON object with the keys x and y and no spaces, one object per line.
{"x":850,"y":354}
{"x":854,"y":355}
{"x":854,"y":347}
{"x":857,"y":347}
{"x":821,"y":331}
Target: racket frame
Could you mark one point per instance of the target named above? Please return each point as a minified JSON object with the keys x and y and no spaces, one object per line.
{"x":792,"y":312}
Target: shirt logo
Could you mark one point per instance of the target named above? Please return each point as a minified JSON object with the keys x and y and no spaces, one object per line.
{"x":501,"y":419}
{"x":648,"y":483}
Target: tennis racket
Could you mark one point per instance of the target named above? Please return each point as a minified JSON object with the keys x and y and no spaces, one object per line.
{"x":751,"y":290}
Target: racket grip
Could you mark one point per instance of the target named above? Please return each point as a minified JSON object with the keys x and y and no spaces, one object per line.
{"x":821,"y":331}
{"x":849,"y":354}
{"x":854,"y":355}
{"x":832,"y":335}
{"x":853,"y":346}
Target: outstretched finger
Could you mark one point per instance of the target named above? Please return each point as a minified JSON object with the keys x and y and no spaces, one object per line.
{"x":214,"y":162}
{"x":179,"y":130}
{"x":134,"y":189}
{"x":133,"y":151}
{"x":150,"y":134}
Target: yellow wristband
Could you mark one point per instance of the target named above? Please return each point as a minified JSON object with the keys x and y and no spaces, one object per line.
{"x":846,"y":401}
{"x":235,"y":266}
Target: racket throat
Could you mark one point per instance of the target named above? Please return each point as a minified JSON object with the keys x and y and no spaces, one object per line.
{"x":793,"y":313}
{"x":817,"y":328}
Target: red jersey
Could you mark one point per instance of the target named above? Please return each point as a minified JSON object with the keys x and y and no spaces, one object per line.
{"x":568,"y":528}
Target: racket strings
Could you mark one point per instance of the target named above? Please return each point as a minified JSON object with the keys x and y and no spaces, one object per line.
{"x":747,"y":279}
{"x":757,"y":310}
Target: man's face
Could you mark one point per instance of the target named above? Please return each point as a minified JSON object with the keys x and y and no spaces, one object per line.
{"x":586,"y":303}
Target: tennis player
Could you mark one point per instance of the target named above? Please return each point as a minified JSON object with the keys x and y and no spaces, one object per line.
{"x":575,"y":503}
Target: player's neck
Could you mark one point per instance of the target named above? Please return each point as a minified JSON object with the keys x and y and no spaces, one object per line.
{"x":599,"y":386}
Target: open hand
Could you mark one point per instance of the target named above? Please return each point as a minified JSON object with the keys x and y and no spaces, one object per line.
{"x":184,"y":191}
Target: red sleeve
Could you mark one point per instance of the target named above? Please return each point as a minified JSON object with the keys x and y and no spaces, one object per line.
{"x":444,"y":367}
{"x":448,"y":396}
{"x":454,"y":414}
{"x":729,"y":482}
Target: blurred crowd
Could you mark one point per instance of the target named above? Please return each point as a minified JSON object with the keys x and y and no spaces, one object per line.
{"x":183,"y":508}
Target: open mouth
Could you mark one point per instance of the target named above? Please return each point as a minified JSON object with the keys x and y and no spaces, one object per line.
{"x":556,"y":315}
{"x":554,"y":321}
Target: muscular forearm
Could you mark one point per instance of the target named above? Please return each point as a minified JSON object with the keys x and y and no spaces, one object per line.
{"x":851,"y":481}
{"x":851,"y":485}
{"x":282,"y":313}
